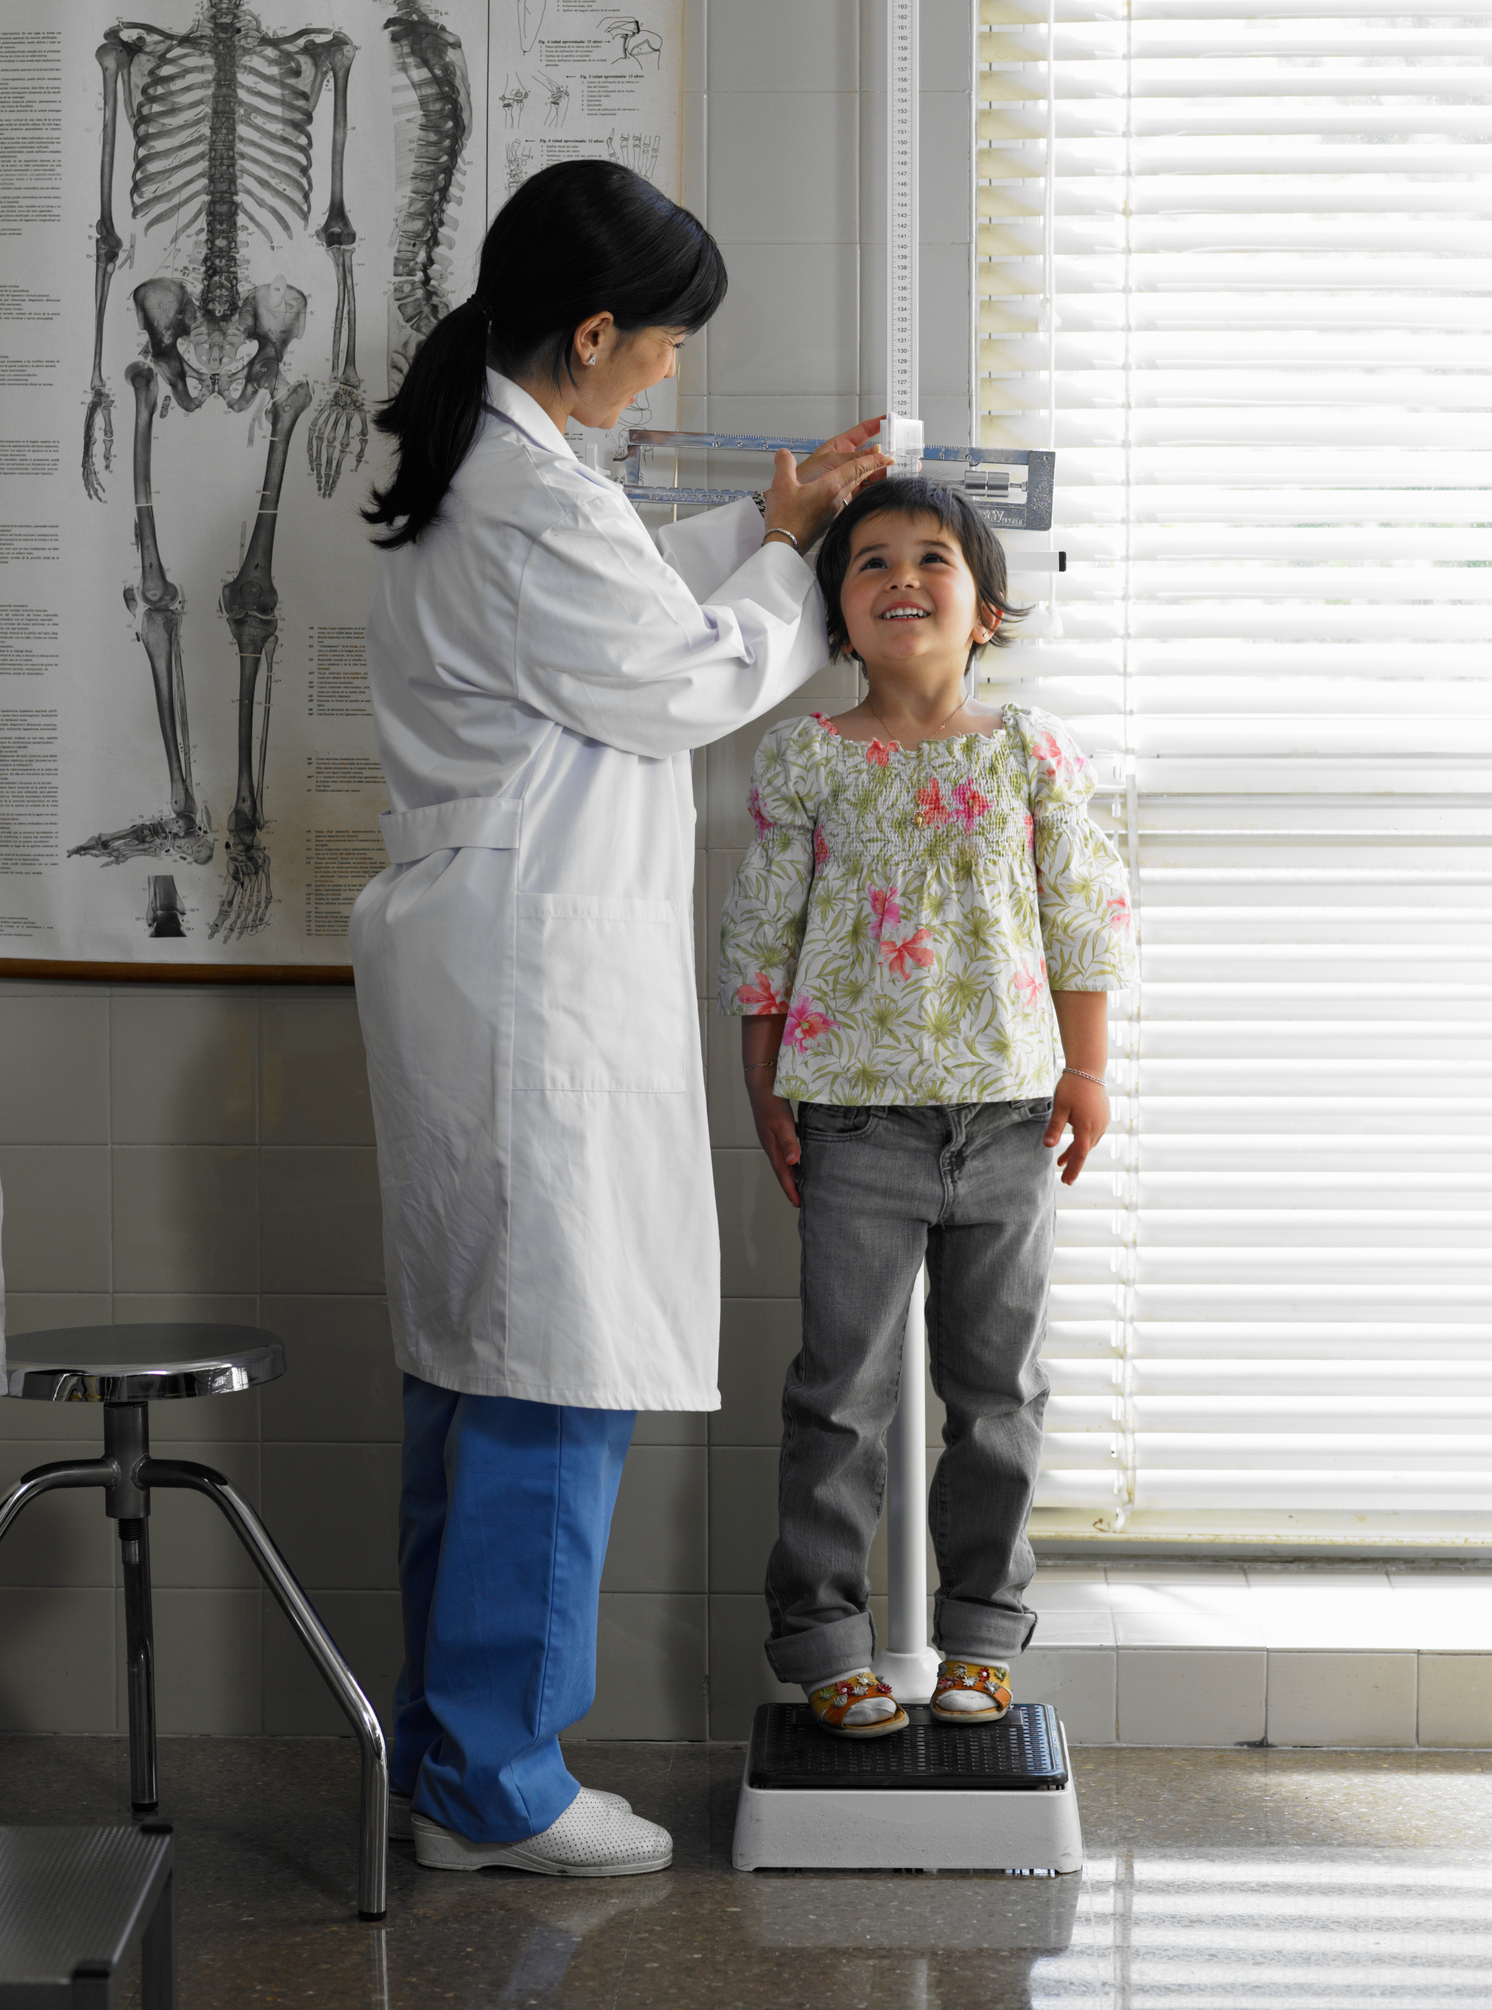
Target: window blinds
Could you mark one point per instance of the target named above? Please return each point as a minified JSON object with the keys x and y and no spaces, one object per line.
{"x":1235,"y":266}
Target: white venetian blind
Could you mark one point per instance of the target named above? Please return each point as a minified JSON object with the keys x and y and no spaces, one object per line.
{"x":1235,"y":266}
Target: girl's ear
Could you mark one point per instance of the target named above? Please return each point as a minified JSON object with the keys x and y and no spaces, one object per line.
{"x":989,"y":620}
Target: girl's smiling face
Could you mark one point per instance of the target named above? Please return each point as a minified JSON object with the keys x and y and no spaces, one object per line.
{"x":908,"y":595}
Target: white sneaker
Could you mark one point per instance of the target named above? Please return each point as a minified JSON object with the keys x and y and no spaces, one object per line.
{"x":401,"y":1813}
{"x":592,"y":1838}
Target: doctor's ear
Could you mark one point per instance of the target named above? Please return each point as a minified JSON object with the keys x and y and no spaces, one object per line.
{"x":592,"y":338}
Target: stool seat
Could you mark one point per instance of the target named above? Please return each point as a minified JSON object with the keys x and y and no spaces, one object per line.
{"x":139,"y":1364}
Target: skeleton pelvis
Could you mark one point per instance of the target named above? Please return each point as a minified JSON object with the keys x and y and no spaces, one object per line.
{"x":223,"y":354}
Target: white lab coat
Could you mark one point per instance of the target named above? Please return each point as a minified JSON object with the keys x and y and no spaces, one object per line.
{"x":525,"y":968}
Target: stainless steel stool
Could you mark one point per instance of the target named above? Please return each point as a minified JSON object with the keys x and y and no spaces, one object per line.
{"x":125,"y":1368}
{"x":78,"y":1904}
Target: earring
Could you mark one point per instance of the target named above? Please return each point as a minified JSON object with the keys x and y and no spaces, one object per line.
{"x":589,"y":361}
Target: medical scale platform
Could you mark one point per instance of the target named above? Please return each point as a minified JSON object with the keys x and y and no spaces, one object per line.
{"x":933,"y":1797}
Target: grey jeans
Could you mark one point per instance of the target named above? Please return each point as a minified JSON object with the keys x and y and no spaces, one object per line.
{"x":970,"y":1189}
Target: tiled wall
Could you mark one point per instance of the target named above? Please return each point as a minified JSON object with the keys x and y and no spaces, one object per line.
{"x":207,"y":1153}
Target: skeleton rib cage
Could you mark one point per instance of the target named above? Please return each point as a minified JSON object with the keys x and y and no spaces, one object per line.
{"x":222,"y":130}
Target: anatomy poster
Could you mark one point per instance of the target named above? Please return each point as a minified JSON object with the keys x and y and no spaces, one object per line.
{"x":224,"y":232}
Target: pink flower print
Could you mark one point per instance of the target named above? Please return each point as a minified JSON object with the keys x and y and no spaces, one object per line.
{"x":820,"y":849}
{"x":805,"y":1022}
{"x":879,"y":752}
{"x":827,"y":724}
{"x":931,"y":808}
{"x":912,"y":949}
{"x":758,"y":815}
{"x":969,"y":804}
{"x":760,"y":997}
{"x":885,"y":910}
{"x":1030,"y":832}
{"x":1120,"y":917}
{"x":1029,"y":984}
{"x":1051,"y":756}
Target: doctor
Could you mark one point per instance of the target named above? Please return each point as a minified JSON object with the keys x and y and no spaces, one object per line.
{"x":525,"y":976}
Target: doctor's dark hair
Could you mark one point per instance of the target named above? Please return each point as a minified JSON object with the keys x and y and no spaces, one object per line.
{"x":909,"y":496}
{"x":582,"y":237}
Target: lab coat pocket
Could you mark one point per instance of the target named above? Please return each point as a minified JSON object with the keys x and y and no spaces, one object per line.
{"x":604,"y":1001}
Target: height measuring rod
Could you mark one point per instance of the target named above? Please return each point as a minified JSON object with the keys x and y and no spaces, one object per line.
{"x":905,"y":1660}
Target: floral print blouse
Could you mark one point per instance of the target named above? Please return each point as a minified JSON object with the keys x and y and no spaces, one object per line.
{"x":912,"y":912}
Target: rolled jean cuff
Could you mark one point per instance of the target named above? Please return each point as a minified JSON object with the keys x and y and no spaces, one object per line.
{"x":818,"y":1652}
{"x":989,"y":1629}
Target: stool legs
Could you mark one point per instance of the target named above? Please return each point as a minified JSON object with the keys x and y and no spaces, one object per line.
{"x":139,"y":1636}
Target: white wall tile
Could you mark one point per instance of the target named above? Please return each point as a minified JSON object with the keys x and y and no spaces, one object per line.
{"x":789,"y":321}
{"x":783,"y":169}
{"x":183,"y":1065}
{"x":1078,"y":1682}
{"x":659,"y":1533}
{"x":650,"y":1670}
{"x":1341,"y":1699}
{"x":1193,"y":1696}
{"x":207,"y":1662}
{"x":57,"y":1215}
{"x":758,"y":1228}
{"x":787,"y":46}
{"x":54,"y":1087}
{"x":1455,"y":1699}
{"x":57,"y":1670}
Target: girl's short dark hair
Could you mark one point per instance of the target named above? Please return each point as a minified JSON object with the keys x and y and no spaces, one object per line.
{"x":908,"y":496}
{"x":579,"y":238}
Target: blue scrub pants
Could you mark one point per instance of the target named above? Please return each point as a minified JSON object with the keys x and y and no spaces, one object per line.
{"x":504,"y":1517}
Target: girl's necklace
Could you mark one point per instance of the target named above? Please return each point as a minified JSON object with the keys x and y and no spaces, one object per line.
{"x":926,"y":736}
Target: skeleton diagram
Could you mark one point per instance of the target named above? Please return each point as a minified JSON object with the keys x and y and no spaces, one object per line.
{"x":530,"y":21}
{"x":639,"y":46}
{"x":513,"y":98}
{"x":221,"y":119}
{"x":433,"y":123}
{"x":558,"y":93}
{"x":638,"y":151}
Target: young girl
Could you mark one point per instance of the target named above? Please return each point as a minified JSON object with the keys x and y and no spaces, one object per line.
{"x":919,"y":942}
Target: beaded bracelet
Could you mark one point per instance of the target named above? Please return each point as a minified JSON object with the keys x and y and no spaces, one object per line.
{"x":1085,"y":1075}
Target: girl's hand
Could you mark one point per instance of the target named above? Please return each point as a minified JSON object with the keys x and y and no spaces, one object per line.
{"x":778,"y":1134}
{"x":806,"y":500}
{"x":1084,"y":1105}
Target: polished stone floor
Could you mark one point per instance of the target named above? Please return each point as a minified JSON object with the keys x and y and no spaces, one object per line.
{"x":1332,"y":1880}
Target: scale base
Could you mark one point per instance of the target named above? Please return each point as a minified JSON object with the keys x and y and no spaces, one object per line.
{"x":933,"y":1797}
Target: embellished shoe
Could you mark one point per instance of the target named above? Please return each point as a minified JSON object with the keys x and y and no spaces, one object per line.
{"x":855,"y":1707}
{"x":970,"y":1692}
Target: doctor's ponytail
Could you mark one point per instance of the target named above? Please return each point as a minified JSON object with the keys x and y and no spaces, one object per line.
{"x":582,"y":237}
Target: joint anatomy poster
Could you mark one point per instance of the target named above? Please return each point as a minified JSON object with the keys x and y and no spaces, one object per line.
{"x":224,"y":233}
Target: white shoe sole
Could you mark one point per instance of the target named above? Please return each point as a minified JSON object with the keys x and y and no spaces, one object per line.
{"x":436,"y":1848}
{"x":401,"y":1813}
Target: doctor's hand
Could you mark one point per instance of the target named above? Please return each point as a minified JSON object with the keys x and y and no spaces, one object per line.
{"x":805,"y":500}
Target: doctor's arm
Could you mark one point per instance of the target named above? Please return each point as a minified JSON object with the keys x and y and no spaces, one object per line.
{"x":612,"y":644}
